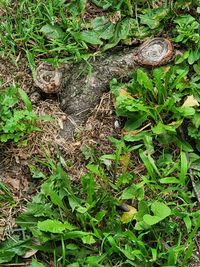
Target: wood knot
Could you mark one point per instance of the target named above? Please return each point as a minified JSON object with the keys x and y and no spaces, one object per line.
{"x":154,"y":52}
{"x":48,"y":78}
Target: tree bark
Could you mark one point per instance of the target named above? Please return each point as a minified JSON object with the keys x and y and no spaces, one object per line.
{"x":83,"y":85}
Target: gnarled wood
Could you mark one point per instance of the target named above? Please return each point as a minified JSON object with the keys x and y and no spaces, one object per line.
{"x":82,"y":85}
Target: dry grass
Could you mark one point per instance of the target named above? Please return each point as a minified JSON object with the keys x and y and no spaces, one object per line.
{"x":48,"y":142}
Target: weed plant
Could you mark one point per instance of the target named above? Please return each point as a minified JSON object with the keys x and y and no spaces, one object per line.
{"x":16,"y":122}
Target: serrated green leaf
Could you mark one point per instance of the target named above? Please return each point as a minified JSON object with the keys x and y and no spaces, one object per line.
{"x":89,"y":239}
{"x":152,"y":17}
{"x":52,"y":226}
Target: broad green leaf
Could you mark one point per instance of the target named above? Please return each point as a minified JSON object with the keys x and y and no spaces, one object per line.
{"x":52,"y":31}
{"x":133,"y":124}
{"x":72,"y":246}
{"x":76,"y":7}
{"x":55,"y":198}
{"x":89,"y":239}
{"x":149,"y":163}
{"x":6,"y":256}
{"x":41,"y":210}
{"x":95,"y":260}
{"x":88,"y":187}
{"x":12,"y":247}
{"x":54,"y":226}
{"x":105,"y":4}
{"x":196,"y":119}
{"x":197,"y":68}
{"x":158,"y":76}
{"x":103,"y":27}
{"x":169,"y":180}
{"x":154,"y":254}
{"x":75,"y":234}
{"x":144,"y":80}
{"x":100,"y":215}
{"x":188,"y":223}
{"x":151,"y":220}
{"x":184,"y":168}
{"x":152,"y":17}
{"x":160,"y":128}
{"x":73,"y":202}
{"x":129,"y":193}
{"x":75,"y":264}
{"x":181,"y":58}
{"x":142,"y":210}
{"x":98,"y":23}
{"x":186,"y":111}
{"x":36,"y":263}
{"x":160,"y":209}
{"x":90,"y":37}
{"x":184,"y":19}
{"x":123,"y":29}
{"x":81,"y":209}
{"x":193,"y":56}
{"x":141,"y":226}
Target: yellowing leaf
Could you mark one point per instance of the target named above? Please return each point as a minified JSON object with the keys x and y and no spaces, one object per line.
{"x":125,"y":160}
{"x":123,"y":92}
{"x":190,"y":102}
{"x":134,"y":133}
{"x":166,"y":69}
{"x":176,"y":123}
{"x":128,"y":216}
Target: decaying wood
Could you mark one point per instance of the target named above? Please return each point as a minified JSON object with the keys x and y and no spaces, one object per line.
{"x":155,"y":52}
{"x":83,"y":84}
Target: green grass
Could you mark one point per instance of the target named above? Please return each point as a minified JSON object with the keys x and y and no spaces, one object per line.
{"x":116,"y":215}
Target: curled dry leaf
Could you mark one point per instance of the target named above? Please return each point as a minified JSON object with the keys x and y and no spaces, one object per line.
{"x":190,"y":102}
{"x":30,"y":253}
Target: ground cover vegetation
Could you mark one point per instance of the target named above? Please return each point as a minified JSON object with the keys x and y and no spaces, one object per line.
{"x":139,"y":205}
